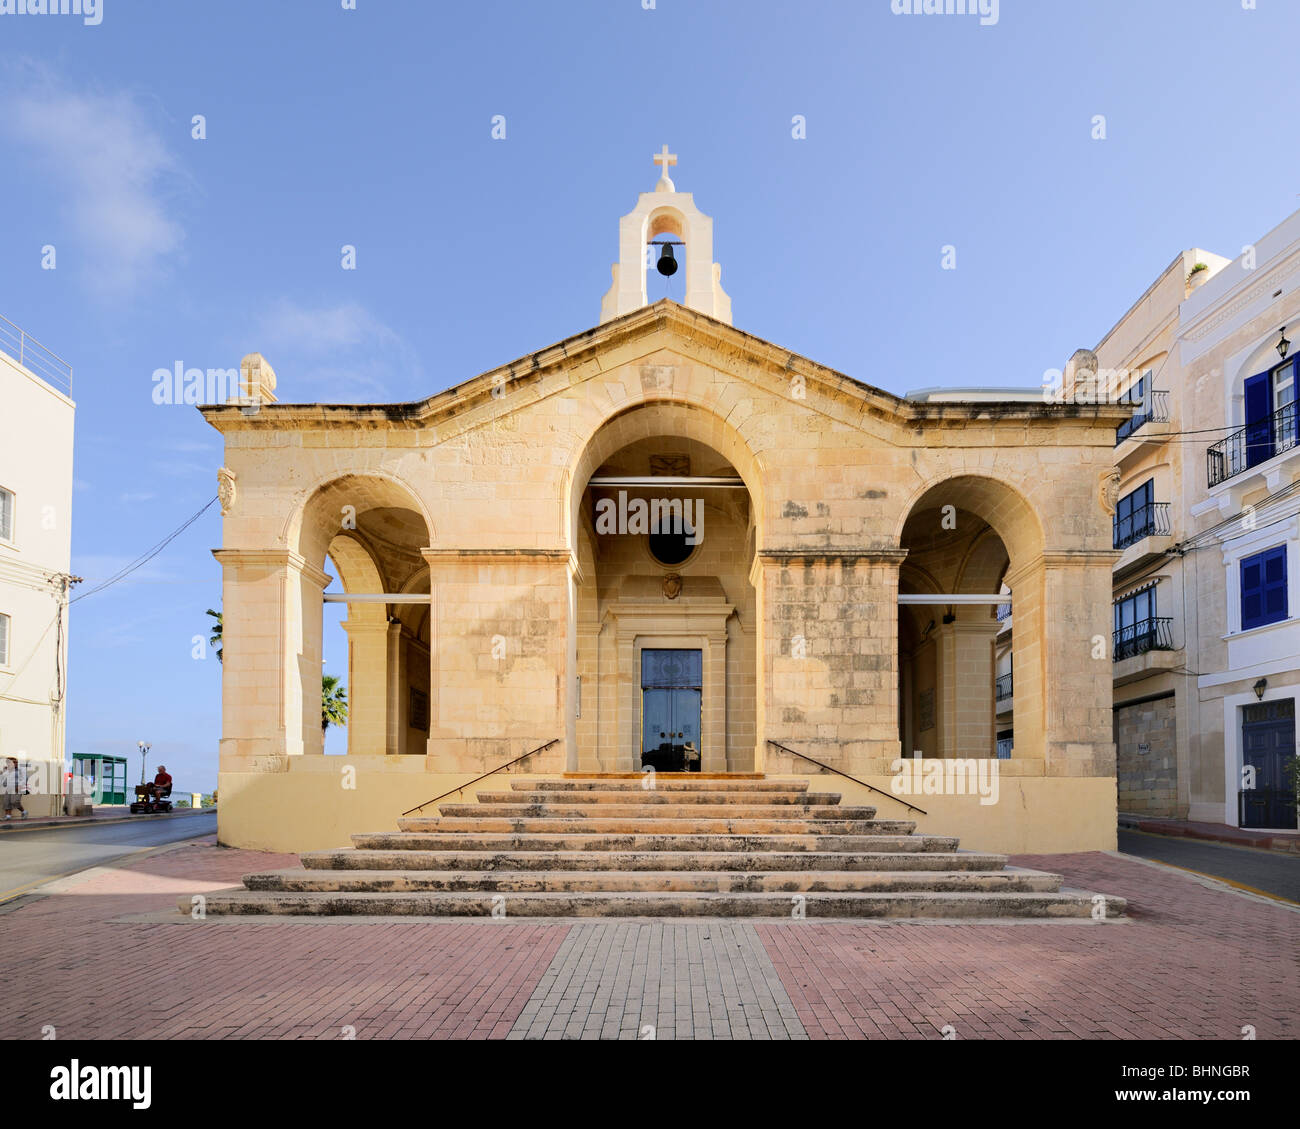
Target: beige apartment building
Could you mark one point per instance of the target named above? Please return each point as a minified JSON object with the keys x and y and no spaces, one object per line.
{"x":35,"y":552}
{"x":1206,"y":623}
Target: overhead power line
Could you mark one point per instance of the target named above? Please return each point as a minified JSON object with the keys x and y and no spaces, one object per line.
{"x":144,"y":558}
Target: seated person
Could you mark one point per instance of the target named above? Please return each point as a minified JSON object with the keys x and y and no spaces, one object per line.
{"x":162,"y":783}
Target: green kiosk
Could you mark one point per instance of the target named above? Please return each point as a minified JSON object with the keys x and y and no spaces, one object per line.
{"x":92,"y":772}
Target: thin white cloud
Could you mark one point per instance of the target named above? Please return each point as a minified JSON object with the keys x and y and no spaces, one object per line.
{"x":112,"y":169}
{"x":349,"y":353}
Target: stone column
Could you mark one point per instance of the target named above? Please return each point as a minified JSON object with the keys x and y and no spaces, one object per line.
{"x":499,"y":666}
{"x":965,"y":704}
{"x":713,"y":704}
{"x":367,"y":683}
{"x":1061,"y":655}
{"x":398,"y":690}
{"x":271,"y":652}
{"x":829,"y":656}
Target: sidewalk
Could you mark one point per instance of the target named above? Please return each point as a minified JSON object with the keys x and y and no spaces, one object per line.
{"x":99,"y":816}
{"x":1288,"y":842}
{"x":1194,"y":961}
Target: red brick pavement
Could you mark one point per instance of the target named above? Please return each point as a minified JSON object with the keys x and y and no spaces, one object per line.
{"x":1192,"y":963}
{"x":67,"y":964}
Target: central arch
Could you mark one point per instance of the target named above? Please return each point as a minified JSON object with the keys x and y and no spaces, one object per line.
{"x":664,"y":639}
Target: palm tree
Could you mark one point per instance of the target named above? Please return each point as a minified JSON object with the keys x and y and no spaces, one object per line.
{"x":333,"y":703}
{"x":333,"y":695}
{"x":215,"y":638}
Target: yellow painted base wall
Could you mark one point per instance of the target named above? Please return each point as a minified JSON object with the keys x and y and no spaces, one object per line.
{"x":308,"y":808}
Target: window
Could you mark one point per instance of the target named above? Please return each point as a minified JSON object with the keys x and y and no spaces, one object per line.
{"x":1137,"y":627}
{"x":1271,"y":422}
{"x":4,"y":639}
{"x":1263,"y":588}
{"x":1136,"y":393}
{"x":6,"y":514}
{"x":1133,"y":515}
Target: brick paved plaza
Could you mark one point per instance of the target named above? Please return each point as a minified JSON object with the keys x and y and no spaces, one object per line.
{"x":109,"y":957}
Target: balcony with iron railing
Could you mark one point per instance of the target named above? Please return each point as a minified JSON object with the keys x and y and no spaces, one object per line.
{"x":1253,"y":444}
{"x":1154,"y":408}
{"x":1150,"y":520}
{"x":1154,"y":634}
{"x":1003,"y":687}
{"x":35,"y":357}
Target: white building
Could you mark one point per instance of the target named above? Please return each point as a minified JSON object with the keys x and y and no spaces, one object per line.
{"x":1240,"y":372}
{"x":36,"y":420}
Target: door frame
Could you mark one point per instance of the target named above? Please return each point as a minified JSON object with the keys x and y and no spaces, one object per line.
{"x":640,"y":653}
{"x":1234,"y":746}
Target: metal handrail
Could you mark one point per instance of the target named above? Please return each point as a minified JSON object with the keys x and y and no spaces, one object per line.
{"x":499,"y":768}
{"x":1003,"y":686}
{"x":832,"y":768}
{"x":1150,"y":520}
{"x":35,"y":357}
{"x":1151,"y":634}
{"x":1155,"y":409}
{"x":1253,"y":444}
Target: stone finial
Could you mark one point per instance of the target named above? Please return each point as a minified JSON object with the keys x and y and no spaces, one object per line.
{"x":256,"y":380}
{"x":1080,"y":376}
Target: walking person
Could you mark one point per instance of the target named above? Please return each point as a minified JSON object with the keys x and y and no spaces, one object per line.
{"x":12,"y":787}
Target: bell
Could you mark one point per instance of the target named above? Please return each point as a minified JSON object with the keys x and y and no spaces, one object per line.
{"x":667,"y":265}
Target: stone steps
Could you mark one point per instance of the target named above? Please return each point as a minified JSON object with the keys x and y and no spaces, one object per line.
{"x":691,"y":846}
{"x":641,"y":811}
{"x":714,"y":861}
{"x":656,"y":881}
{"x":683,"y":782}
{"x":644,"y":841}
{"x":944,"y":905}
{"x":674,"y":797}
{"x":658,"y":825}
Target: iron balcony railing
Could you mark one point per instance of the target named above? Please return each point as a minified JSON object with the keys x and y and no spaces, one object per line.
{"x":1004,"y":612}
{"x":35,"y":357}
{"x":1003,"y":687}
{"x":1155,"y":409}
{"x":1153,"y":634}
{"x":1253,"y":444}
{"x":1144,"y":521}
{"x":1004,"y":747}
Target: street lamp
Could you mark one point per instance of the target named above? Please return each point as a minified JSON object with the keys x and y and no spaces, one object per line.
{"x":1283,"y":345}
{"x":144,"y":748}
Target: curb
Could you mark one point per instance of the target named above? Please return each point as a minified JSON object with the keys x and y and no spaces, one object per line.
{"x":1269,"y":844}
{"x":91,"y":821}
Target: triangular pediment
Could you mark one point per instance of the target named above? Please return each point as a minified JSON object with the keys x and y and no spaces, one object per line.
{"x":665,"y":327}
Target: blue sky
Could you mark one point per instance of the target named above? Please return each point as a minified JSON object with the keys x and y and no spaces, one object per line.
{"x":372,"y":127}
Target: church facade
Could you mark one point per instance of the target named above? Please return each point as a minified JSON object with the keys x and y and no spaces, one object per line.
{"x":665,"y":542}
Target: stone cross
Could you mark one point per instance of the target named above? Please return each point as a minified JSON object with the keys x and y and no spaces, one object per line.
{"x":665,"y":159}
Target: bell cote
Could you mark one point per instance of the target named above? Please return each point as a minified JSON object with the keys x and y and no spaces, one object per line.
{"x":667,"y":216}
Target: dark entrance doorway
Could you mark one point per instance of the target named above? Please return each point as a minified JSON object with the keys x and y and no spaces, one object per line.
{"x":1268,"y":743}
{"x":672,"y":686}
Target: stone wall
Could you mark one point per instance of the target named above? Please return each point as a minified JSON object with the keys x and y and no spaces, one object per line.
{"x":1147,"y":752}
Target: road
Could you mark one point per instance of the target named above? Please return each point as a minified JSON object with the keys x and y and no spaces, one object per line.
{"x":1266,"y":872}
{"x":29,"y":858}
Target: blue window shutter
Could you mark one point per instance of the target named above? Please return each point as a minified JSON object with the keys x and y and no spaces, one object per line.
{"x":1263,"y":588}
{"x":1259,"y":406}
{"x":1275,"y":600}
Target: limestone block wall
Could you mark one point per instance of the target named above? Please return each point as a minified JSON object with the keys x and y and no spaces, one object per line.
{"x":1146,"y":745}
